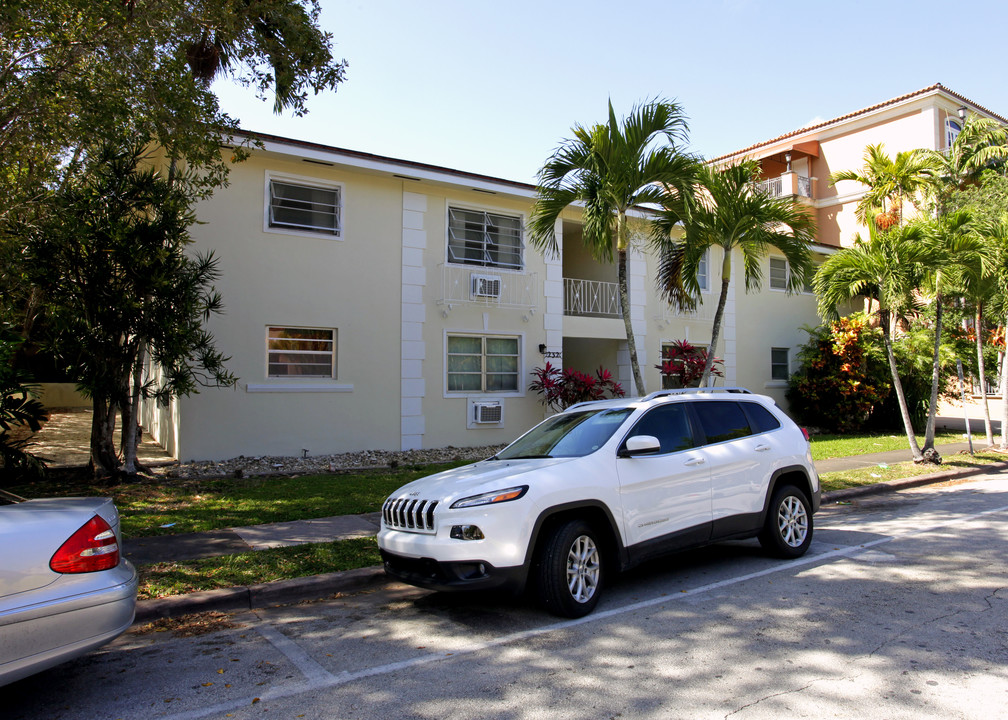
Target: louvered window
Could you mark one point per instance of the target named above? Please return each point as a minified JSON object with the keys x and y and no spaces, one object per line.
{"x":485,"y":239}
{"x":304,"y":207}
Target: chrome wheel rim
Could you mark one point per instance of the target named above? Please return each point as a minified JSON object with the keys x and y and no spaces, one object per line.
{"x":583,"y":569}
{"x":792,"y":521}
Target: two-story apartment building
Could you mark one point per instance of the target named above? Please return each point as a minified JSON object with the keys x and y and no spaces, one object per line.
{"x":376,"y":303}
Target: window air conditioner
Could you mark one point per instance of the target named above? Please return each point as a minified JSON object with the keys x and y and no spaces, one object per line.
{"x":488,"y":412}
{"x":485,"y":286}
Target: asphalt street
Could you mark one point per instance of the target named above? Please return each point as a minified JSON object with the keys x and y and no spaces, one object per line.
{"x":900,"y":610}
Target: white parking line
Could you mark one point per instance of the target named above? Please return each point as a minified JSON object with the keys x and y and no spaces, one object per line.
{"x":318,"y":678}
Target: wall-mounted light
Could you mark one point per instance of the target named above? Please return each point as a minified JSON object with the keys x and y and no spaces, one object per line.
{"x":787,"y":159}
{"x":962,"y":112}
{"x":542,"y":348}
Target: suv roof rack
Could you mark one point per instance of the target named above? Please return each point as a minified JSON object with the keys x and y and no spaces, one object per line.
{"x":705,"y":390}
{"x":665,"y":393}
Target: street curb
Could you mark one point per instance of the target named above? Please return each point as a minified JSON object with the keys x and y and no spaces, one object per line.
{"x":313,"y":587}
{"x":912,"y":482}
{"x":250,"y":597}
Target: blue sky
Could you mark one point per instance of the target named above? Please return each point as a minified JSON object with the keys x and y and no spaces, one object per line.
{"x":494,"y":86}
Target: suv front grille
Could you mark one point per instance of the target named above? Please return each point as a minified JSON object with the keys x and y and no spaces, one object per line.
{"x":409,"y":514}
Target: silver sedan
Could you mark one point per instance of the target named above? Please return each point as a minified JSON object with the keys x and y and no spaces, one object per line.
{"x":65,"y":587}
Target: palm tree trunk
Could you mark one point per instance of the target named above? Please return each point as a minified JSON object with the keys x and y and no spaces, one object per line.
{"x":898,"y":387}
{"x":983,"y":375}
{"x":929,"y":432}
{"x":1004,"y":393}
{"x":624,"y":300}
{"x":718,"y":315}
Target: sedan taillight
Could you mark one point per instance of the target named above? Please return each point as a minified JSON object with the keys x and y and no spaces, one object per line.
{"x":93,"y":547}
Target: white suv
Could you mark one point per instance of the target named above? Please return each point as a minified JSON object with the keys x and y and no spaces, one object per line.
{"x":604,"y":486}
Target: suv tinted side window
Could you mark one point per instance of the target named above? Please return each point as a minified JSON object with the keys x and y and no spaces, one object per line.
{"x":722,"y":420}
{"x":760,"y":419}
{"x":668,"y":423}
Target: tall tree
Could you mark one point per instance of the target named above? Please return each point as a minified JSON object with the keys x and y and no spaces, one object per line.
{"x":890,"y":184}
{"x":728,"y":211}
{"x":980,"y":143}
{"x":888,"y":266}
{"x":108,"y":253}
{"x":77,"y":76}
{"x":611,"y":168}
{"x":954,"y":248}
{"x":988,"y":203}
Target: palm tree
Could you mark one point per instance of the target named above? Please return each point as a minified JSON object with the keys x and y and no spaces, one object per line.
{"x":730,"y":212}
{"x":977,"y":282}
{"x":611,"y":168}
{"x":996,"y":257}
{"x":890,"y":183}
{"x":981,"y":142}
{"x":888,"y":265}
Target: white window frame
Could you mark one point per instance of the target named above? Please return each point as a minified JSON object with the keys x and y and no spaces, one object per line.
{"x":704,"y":285}
{"x":310,"y":182}
{"x":777,"y":364}
{"x":519,"y":391}
{"x":487,"y":211}
{"x":334,"y":340}
{"x":805,"y":290}
{"x":952,"y":129}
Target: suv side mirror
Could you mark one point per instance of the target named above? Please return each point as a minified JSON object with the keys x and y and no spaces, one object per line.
{"x":641,"y":445}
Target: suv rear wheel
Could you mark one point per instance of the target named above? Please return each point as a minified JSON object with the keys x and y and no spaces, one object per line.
{"x":787,"y":531}
{"x":571,"y":570}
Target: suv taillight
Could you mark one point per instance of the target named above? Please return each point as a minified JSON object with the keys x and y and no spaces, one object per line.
{"x":805,"y":433}
{"x":93,"y":547}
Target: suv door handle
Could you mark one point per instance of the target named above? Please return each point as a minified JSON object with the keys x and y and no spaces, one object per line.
{"x":762,"y":448}
{"x":694,"y":461}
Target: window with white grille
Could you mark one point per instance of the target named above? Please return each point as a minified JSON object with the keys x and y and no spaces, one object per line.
{"x":482,"y":363}
{"x":486,"y":239}
{"x":304,"y":206}
{"x":300,"y":352}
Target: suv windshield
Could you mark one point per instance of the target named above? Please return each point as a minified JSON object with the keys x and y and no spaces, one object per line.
{"x":567,"y":435}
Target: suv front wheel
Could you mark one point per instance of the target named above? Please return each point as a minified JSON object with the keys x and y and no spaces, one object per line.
{"x":787,"y":531}
{"x":571,"y":570}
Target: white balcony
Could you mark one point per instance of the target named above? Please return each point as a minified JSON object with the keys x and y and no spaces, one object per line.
{"x":787,"y":185}
{"x":493,"y":286}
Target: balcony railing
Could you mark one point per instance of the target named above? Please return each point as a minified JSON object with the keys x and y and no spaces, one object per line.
{"x":786,"y":185}
{"x":591,"y":298}
{"x":771,"y":187}
{"x":488,"y":286}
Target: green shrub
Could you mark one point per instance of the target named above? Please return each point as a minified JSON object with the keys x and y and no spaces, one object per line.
{"x":843,"y":377}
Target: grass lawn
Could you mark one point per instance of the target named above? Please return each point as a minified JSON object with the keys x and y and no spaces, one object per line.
{"x":898,"y":471}
{"x":187,"y":506}
{"x":835,"y":446}
{"x":249,"y":568}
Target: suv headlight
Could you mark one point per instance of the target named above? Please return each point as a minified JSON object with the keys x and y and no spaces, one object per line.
{"x":491,"y":498}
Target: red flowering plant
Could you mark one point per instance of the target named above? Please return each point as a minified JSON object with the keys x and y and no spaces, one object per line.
{"x":683,"y":363}
{"x":559,"y":389}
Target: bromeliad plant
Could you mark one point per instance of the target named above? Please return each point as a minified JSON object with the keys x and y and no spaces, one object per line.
{"x":559,"y":389}
{"x":683,"y":364}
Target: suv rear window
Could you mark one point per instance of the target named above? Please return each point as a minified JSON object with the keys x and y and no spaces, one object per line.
{"x":722,"y":420}
{"x":761,"y":419}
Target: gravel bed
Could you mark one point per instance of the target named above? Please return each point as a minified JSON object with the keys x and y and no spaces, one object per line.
{"x":367,"y":459}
